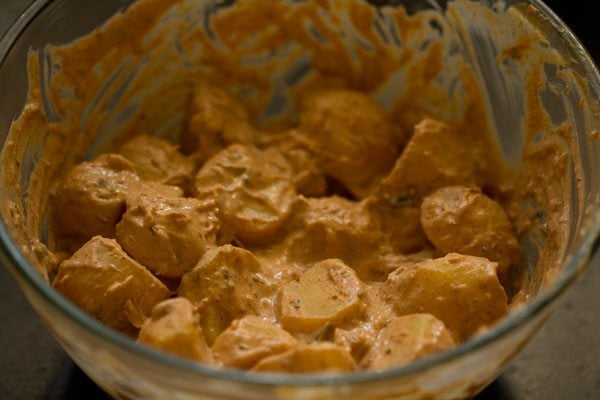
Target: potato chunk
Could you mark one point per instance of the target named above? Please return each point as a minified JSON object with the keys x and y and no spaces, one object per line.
{"x":249,"y":340}
{"x":215,"y":120}
{"x":305,"y":359}
{"x":356,"y":342}
{"x":174,"y":327}
{"x":327,"y":293}
{"x":463,"y":220}
{"x":308,"y":178}
{"x":168,"y":235}
{"x":157,"y":160}
{"x":407,"y":339}
{"x":434,"y":157}
{"x":462,"y":291}
{"x":109,"y":285}
{"x":228,"y":283}
{"x":333,"y":227}
{"x":350,"y":136}
{"x":253,"y":188}
{"x":90,"y":199}
{"x":399,"y":224}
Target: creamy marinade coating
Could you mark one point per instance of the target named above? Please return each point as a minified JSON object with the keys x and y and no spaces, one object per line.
{"x":365,"y":63}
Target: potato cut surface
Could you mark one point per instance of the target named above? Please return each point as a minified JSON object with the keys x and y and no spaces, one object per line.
{"x":250,"y":339}
{"x":254,"y":190}
{"x":174,"y":327}
{"x":228,"y":283}
{"x":109,"y":285}
{"x":327,"y":293}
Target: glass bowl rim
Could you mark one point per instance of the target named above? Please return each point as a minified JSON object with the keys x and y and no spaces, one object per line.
{"x":574,"y":266}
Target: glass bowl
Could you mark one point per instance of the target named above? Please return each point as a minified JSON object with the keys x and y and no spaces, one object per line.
{"x":488,"y":37}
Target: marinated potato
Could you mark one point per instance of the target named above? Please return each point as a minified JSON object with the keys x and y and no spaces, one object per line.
{"x":254,"y":190}
{"x":174,"y":327}
{"x":356,"y":342}
{"x":406,"y":339}
{"x":250,"y":339}
{"x":327,"y":293}
{"x":400,"y":225}
{"x":306,"y":359}
{"x":157,"y":160}
{"x":90,"y":199}
{"x":462,"y":291}
{"x":333,"y":227}
{"x":463,"y":220}
{"x":178,"y":230}
{"x":308,"y":178}
{"x":434,"y":157}
{"x":350,"y":136}
{"x":216,"y":120}
{"x":109,"y":285}
{"x":228,"y":283}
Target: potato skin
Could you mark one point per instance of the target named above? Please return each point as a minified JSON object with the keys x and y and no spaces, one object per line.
{"x":462,"y":291}
{"x":463,"y":220}
{"x":109,"y":285}
{"x":174,"y":327}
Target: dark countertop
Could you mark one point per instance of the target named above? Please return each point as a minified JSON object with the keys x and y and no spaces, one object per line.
{"x":561,"y":362}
